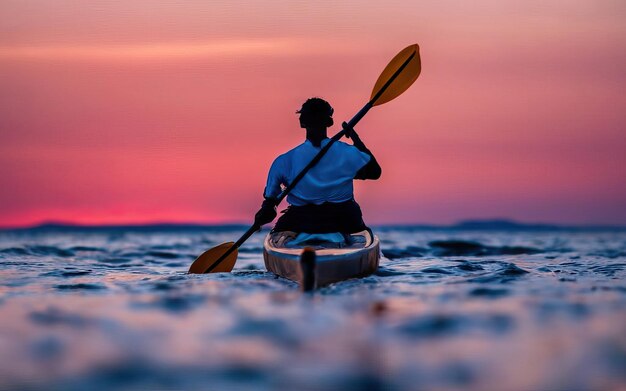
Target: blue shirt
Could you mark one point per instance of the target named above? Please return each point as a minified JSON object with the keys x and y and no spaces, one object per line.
{"x":330,"y":180}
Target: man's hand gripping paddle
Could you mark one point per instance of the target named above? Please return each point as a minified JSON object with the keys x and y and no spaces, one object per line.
{"x":396,"y":78}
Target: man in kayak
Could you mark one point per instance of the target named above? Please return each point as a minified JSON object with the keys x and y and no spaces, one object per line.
{"x":323,"y":201}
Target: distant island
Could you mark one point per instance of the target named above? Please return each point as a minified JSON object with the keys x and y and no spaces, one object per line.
{"x":466,"y":225}
{"x":508,"y":225}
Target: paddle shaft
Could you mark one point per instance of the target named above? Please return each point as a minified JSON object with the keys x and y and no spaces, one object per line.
{"x":351,"y":124}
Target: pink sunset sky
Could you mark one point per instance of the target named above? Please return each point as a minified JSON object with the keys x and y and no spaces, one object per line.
{"x":152,"y":111}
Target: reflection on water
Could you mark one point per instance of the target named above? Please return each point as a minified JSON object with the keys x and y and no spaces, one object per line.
{"x":447,"y":310}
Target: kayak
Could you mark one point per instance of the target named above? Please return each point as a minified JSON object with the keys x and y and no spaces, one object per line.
{"x":315,"y":260}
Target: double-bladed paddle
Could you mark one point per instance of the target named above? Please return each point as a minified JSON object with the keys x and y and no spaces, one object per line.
{"x":396,"y":78}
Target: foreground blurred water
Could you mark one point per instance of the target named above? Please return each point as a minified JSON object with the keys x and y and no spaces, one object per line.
{"x":448,"y":309}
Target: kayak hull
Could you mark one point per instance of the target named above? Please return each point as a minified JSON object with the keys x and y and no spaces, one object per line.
{"x":331,"y":264}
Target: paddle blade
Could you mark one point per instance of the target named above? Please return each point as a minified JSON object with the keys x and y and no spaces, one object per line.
{"x":209,"y":257}
{"x":402,"y":81}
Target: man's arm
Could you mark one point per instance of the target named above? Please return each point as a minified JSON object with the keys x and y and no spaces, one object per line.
{"x":372,"y":169}
{"x":267,"y":213}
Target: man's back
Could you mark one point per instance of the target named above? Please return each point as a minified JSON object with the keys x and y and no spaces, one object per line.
{"x":329,"y":181}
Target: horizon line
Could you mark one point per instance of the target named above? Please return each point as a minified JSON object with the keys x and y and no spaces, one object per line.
{"x":464,"y":223}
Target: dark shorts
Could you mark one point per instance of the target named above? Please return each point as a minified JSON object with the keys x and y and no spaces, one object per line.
{"x":343,"y":217}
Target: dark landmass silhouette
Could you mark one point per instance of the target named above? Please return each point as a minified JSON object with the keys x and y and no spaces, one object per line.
{"x":466,"y":225}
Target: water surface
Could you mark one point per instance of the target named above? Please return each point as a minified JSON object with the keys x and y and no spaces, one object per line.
{"x":448,"y":309}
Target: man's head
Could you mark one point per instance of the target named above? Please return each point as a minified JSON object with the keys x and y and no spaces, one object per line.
{"x":316,"y":113}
